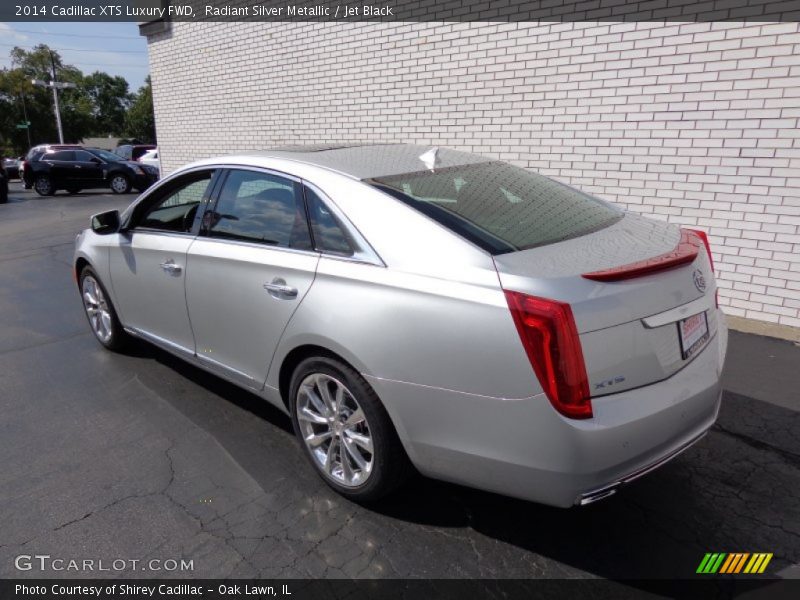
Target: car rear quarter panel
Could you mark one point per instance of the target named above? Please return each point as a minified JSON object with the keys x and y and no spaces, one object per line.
{"x":413,"y":328}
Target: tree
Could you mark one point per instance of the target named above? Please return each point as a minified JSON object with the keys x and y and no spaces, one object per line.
{"x":19,"y":97}
{"x":96,"y":107}
{"x":140,"y":122}
{"x":109,"y":102}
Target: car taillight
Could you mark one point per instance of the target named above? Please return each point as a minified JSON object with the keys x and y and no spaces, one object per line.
{"x":550,"y":338}
{"x":704,"y":237}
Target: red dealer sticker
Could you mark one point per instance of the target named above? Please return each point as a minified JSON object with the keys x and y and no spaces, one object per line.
{"x":693,"y":333}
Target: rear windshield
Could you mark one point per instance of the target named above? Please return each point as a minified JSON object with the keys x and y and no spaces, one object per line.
{"x":500,"y":207}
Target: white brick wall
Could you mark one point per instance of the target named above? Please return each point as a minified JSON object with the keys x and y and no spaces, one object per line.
{"x":695,"y":123}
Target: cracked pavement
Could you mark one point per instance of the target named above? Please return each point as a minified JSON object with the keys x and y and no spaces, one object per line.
{"x":140,"y":456}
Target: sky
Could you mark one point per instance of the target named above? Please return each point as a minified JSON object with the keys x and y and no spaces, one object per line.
{"x":116,"y":48}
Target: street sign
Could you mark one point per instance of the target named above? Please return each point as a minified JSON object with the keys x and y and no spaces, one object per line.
{"x":24,"y":125}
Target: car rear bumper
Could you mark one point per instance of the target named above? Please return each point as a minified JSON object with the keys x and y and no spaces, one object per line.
{"x":524,"y":448}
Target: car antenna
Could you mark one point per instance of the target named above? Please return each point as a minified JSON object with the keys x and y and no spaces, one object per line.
{"x":430,"y":158}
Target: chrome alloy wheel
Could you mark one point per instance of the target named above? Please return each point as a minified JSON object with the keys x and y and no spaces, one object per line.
{"x":335,"y":430}
{"x":97,"y":309}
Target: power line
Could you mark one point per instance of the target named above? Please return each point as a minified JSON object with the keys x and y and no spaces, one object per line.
{"x":78,"y":49}
{"x":106,"y":65}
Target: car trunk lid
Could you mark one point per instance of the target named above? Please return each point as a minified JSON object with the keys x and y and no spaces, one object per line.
{"x":628,"y":325}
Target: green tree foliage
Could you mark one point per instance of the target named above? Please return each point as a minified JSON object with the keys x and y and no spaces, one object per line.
{"x":140,"y":122}
{"x":109,"y":101}
{"x":99,"y":106}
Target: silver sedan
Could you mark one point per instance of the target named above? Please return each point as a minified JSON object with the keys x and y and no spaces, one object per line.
{"x":421,"y":308}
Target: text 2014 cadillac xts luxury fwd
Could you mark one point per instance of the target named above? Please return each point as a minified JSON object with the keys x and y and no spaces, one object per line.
{"x":409,"y":305}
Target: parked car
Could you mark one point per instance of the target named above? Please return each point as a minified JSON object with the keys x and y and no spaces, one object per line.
{"x":133,"y":151}
{"x":11,"y":167}
{"x":3,"y":186}
{"x":34,"y":153}
{"x":151,"y":158}
{"x":87,"y":168}
{"x":416,"y":306}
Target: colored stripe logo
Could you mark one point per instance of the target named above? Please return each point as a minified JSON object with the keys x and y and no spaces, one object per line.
{"x":734,"y":562}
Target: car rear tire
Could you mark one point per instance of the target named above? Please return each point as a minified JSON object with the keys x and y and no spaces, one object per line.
{"x":44,"y":186}
{"x":120,"y":184}
{"x":345,"y":431}
{"x":100,"y":312}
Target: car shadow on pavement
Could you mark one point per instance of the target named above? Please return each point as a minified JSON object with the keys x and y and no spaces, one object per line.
{"x":737,"y":490}
{"x":732,"y":492}
{"x":233,"y":394}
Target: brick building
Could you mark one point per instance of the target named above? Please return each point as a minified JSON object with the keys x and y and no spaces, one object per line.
{"x":696,"y":123}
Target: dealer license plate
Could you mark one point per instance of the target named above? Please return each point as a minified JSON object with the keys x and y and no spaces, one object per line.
{"x":693,"y":334}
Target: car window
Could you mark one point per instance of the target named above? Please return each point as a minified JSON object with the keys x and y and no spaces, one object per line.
{"x":329,"y":235}
{"x":176,"y":208}
{"x":83,"y":156}
{"x":500,"y":207}
{"x":259,"y":207}
{"x":67,"y":155}
{"x":105,"y":155}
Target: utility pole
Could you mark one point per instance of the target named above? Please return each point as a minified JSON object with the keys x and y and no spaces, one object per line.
{"x":25,"y":116}
{"x":55,"y":85}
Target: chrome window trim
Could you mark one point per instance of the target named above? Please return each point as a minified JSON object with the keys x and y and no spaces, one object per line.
{"x":259,"y":245}
{"x":150,"y":231}
{"x":364,"y":253}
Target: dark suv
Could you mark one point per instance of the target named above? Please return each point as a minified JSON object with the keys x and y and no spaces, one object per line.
{"x":34,"y":154}
{"x":86,"y":168}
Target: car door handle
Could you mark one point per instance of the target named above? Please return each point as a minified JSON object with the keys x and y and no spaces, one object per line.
{"x":279,"y":287}
{"x":171,"y":267}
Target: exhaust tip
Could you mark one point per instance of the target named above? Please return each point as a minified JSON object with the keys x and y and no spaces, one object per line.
{"x":597,"y":495}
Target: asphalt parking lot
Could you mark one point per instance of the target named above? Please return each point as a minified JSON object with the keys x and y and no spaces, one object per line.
{"x":141,"y":456}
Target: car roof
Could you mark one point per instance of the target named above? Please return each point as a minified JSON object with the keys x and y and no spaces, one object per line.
{"x":369,"y":161}
{"x":57,"y":146}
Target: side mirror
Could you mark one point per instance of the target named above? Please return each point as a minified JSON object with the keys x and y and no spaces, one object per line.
{"x":96,"y":161}
{"x":106,"y":223}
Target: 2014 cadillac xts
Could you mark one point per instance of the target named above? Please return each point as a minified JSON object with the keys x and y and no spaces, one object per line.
{"x":416,"y":306}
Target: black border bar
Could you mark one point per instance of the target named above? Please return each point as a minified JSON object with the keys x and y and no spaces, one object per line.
{"x":146,"y":11}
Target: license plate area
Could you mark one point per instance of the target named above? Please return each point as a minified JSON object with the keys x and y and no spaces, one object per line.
{"x":693,"y":334}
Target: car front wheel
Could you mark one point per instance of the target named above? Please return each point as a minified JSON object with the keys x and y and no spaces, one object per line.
{"x":100,"y":312}
{"x":120,"y":184}
{"x":44,"y":186}
{"x":345,"y":430}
